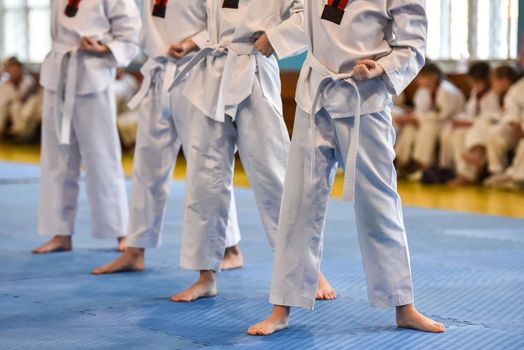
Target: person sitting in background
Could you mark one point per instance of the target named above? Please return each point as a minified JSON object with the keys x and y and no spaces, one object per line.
{"x":470,"y":155}
{"x":15,"y":91}
{"x":508,"y":136}
{"x":436,"y":101}
{"x":482,"y":100}
{"x":126,"y":86}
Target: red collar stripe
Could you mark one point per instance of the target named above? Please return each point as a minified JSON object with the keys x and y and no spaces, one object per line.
{"x":74,"y":3}
{"x":341,"y":4}
{"x":162,"y":3}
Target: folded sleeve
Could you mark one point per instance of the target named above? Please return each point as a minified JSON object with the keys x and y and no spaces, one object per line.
{"x":407,"y":39}
{"x":289,"y":38}
{"x":125,"y":20}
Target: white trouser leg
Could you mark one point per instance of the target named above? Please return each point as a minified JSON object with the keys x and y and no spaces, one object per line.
{"x":156,"y":150}
{"x":262,"y":140}
{"x":516,"y":170}
{"x":447,"y":151}
{"x":500,"y":142}
{"x":59,"y":175}
{"x":426,"y":141}
{"x":378,"y":211}
{"x":94,"y":141}
{"x":405,"y":142}
{"x":97,"y":134}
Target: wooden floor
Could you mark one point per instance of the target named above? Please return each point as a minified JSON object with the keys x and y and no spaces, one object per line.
{"x":469,"y":199}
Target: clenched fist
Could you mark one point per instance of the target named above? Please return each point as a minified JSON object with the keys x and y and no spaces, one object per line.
{"x":182,"y":48}
{"x":367,"y":69}
{"x":263,"y":45}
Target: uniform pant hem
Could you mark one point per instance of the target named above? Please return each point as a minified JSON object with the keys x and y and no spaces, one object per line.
{"x":211,"y":266}
{"x":391,"y":301}
{"x":292,"y":301}
{"x":143,"y":241}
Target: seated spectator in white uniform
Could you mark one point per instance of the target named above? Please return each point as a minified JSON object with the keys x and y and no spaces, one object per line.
{"x":15,"y":91}
{"x":470,"y":149}
{"x":126,"y":86}
{"x":436,"y":101}
{"x":505,"y":138}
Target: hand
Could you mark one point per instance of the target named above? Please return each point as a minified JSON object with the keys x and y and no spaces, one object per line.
{"x":182,"y":48}
{"x":93,"y":46}
{"x":263,"y":45}
{"x":516,"y":130}
{"x":367,"y":69}
{"x":461,"y":123}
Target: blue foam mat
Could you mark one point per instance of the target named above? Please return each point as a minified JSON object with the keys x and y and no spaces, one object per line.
{"x":468,"y":271}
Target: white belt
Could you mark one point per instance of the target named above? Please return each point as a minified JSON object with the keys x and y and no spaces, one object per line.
{"x":166,"y":66}
{"x":65,"y":96}
{"x":351,"y":159}
{"x":232,"y":50}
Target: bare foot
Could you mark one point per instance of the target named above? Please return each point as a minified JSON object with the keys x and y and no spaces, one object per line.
{"x":122,"y":244}
{"x":409,"y":317}
{"x":277,"y":321}
{"x":233,"y":258}
{"x":475,"y":159}
{"x":459,"y":181}
{"x":324,"y":290}
{"x":131,"y":260}
{"x":54,"y":245}
{"x":205,"y":287}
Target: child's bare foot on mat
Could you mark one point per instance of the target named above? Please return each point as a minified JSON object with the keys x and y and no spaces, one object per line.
{"x":233,"y":258}
{"x":324,"y":290}
{"x":131,"y":260}
{"x":122,"y":244}
{"x":409,"y":317}
{"x":205,"y":287}
{"x":54,"y":245}
{"x":277,"y":321}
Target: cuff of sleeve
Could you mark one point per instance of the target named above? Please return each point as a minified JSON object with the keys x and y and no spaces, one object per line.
{"x":390,"y":75}
{"x":283,"y":48}
{"x":118,"y":53}
{"x":201,"y":39}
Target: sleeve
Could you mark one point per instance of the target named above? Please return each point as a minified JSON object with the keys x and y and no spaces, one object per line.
{"x":201,"y":38}
{"x":289,"y":38}
{"x":407,"y":39}
{"x":451,"y":104}
{"x":126,"y":23}
{"x":514,"y":104}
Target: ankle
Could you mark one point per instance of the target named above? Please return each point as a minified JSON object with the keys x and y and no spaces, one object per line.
{"x":281,"y":312}
{"x":135,"y":252}
{"x":207,"y":276}
{"x":234,"y":250}
{"x":403,"y":309}
{"x":63,"y":239}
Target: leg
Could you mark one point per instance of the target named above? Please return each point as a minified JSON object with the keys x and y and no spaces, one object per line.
{"x":299,"y":241}
{"x":60,"y":171}
{"x":500,"y":141}
{"x":380,"y":224}
{"x":95,"y":127}
{"x":263,"y":143}
{"x":155,"y":154}
{"x":210,"y":154}
{"x":404,"y":145}
{"x":426,"y":142}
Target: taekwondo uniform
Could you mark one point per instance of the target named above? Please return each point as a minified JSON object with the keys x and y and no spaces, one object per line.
{"x":500,"y":139}
{"x":407,"y":135}
{"x":484,"y":111}
{"x":159,"y":133}
{"x":346,"y":121}
{"x":235,"y":92}
{"x":79,"y":116}
{"x":12,"y":98}
{"x":447,"y":103}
